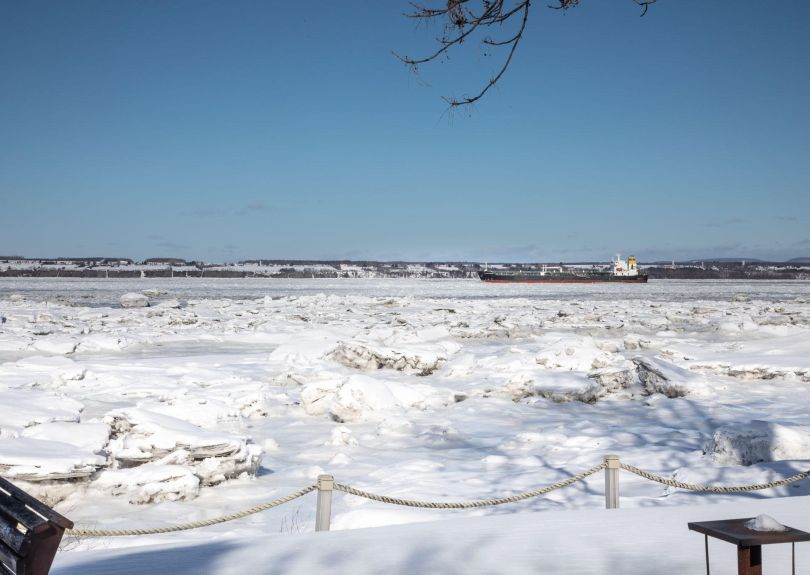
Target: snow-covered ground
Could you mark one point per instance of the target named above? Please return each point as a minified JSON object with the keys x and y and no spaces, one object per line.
{"x":582,"y":542}
{"x":221,"y":394}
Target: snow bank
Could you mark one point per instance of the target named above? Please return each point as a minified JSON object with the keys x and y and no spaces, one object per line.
{"x":569,"y":542}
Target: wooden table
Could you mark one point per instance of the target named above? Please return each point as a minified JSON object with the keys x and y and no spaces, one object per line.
{"x":749,"y":543}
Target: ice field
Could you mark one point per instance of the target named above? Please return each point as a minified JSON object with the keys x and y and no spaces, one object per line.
{"x":222,"y":394}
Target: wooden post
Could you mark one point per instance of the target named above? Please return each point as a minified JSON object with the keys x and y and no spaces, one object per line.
{"x":323,"y":513}
{"x":612,"y":482}
{"x":749,"y":560}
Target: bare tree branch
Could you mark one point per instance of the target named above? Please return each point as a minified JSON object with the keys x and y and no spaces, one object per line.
{"x":514,"y":41}
{"x":462,"y":22}
{"x":645,"y":4}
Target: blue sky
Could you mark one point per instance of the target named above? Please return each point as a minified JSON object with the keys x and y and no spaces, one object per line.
{"x":243,"y":129}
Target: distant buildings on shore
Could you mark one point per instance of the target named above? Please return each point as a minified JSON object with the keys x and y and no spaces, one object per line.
{"x":106,"y":267}
{"x":17,"y":266}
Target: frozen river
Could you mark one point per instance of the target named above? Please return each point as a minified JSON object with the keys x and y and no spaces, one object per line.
{"x":107,"y":292}
{"x":225,"y":393}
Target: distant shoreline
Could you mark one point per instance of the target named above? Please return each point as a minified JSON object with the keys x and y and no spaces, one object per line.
{"x":124,"y":268}
{"x":685,"y":273}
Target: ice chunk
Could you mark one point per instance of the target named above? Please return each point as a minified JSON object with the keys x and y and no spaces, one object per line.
{"x":342,"y":436}
{"x":55,"y":344}
{"x":462,"y":365}
{"x":23,"y":408}
{"x":660,"y":376}
{"x":204,"y":411}
{"x":42,"y":369}
{"x":317,"y":397}
{"x":615,"y":379}
{"x":758,"y":441}
{"x":421,"y":351}
{"x":134,"y":300}
{"x":362,"y":397}
{"x":91,"y":437}
{"x":32,"y":459}
{"x":364,"y":356}
{"x":102,"y":342}
{"x":141,"y":436}
{"x":575,"y":354}
{"x":304,"y":349}
{"x":150,"y":483}
{"x":14,"y":342}
{"x":568,"y":386}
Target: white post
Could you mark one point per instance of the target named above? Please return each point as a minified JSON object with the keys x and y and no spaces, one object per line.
{"x":323,"y":513}
{"x":612,"y":482}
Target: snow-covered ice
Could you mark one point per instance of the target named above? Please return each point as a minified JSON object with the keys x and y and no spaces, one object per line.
{"x":222,"y":394}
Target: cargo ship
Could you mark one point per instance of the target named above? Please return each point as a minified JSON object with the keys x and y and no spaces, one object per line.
{"x":620,"y":271}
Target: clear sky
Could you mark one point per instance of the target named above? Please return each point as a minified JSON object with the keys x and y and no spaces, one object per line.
{"x":226,"y":130}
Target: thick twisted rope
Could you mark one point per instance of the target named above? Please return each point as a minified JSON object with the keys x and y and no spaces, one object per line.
{"x":469,"y":504}
{"x":473,"y":504}
{"x":715,"y":488}
{"x":192,"y":525}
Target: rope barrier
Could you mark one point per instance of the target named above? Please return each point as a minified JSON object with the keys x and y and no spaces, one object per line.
{"x":473,"y":504}
{"x":192,"y":525}
{"x":469,"y":504}
{"x":715,"y":488}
